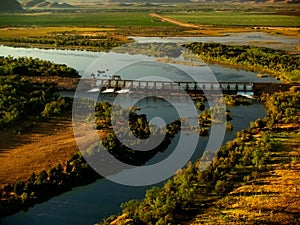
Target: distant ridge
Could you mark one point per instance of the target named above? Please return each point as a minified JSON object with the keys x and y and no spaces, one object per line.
{"x":45,"y":4}
{"x":10,"y":5}
{"x":184,"y":1}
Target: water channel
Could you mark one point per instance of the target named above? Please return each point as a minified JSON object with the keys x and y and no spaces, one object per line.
{"x":88,"y":204}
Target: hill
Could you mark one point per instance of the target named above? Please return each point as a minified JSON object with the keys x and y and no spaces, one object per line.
{"x":10,"y":5}
{"x":45,"y":4}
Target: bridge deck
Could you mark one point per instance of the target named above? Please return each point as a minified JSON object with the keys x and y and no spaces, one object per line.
{"x":189,"y":86}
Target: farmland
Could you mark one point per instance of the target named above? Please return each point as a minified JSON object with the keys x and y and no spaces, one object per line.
{"x":228,"y":18}
{"x":101,"y":19}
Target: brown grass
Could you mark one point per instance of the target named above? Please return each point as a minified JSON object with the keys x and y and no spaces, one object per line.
{"x":44,"y":31}
{"x":39,"y":148}
{"x":43,"y":147}
{"x":273,"y":198}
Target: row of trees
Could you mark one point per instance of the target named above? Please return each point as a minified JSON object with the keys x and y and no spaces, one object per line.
{"x":275,"y":62}
{"x":238,"y":161}
{"x":28,"y":66}
{"x":42,"y":186}
{"x":65,"y":39}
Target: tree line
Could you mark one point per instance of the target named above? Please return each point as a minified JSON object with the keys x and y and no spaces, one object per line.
{"x":41,"y":187}
{"x":67,"y":39}
{"x":276,"y":62}
{"x":28,"y":66}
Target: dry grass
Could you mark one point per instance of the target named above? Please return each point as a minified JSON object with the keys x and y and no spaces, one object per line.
{"x":273,"y":198}
{"x":43,"y":147}
{"x":44,"y":31}
{"x":39,"y":148}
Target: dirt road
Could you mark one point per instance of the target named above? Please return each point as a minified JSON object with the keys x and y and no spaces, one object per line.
{"x":176,"y":22}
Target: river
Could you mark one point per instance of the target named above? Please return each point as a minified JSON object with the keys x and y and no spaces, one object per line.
{"x":88,"y":204}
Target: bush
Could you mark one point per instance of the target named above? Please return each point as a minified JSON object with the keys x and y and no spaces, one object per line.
{"x":223,"y":187}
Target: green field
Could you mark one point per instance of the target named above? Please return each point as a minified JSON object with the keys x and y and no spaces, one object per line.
{"x":101,"y":19}
{"x":237,"y":19}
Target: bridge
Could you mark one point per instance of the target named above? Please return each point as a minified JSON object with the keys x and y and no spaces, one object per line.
{"x":123,"y":86}
{"x":193,"y":88}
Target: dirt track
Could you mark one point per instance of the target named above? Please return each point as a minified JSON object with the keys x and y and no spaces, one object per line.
{"x":176,"y":22}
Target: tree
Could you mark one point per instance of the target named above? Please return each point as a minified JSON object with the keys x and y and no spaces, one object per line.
{"x":42,"y":177}
{"x":222,"y":187}
{"x":19,"y":187}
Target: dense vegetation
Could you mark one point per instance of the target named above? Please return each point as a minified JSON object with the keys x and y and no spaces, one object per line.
{"x":28,"y":66}
{"x":275,"y":62}
{"x":240,"y":160}
{"x":22,"y":101}
{"x":70,"y":40}
{"x":213,"y":114}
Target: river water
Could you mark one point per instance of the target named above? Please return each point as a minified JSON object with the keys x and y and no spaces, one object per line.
{"x":89,"y":204}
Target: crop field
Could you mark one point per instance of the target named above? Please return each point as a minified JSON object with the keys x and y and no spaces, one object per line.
{"x":101,"y":19}
{"x":237,"y":19}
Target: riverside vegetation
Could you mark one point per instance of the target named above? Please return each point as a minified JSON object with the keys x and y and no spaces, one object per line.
{"x":276,"y":62}
{"x":22,"y":100}
{"x":239,"y":162}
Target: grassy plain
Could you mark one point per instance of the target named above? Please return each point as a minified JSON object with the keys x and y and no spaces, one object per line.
{"x":101,"y":19}
{"x":228,"y":18}
{"x":37,"y":148}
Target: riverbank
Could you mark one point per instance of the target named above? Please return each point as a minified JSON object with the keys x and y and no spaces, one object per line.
{"x":264,"y":156}
{"x":278,"y":63}
{"x":271,"y":196}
